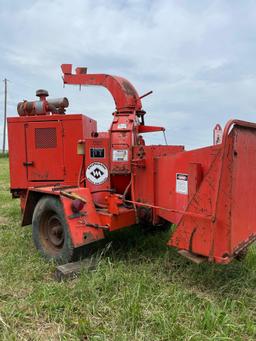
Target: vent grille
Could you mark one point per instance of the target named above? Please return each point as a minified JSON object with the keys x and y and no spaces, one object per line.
{"x":45,"y":138}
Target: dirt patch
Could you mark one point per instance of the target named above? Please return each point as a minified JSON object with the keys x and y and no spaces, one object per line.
{"x":3,"y":220}
{"x":5,"y":187}
{"x":44,"y":331}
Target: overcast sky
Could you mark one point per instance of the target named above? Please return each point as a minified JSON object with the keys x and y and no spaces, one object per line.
{"x":197,"y":56}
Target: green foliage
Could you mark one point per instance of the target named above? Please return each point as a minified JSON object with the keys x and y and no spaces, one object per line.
{"x":141,"y":290}
{"x":4,"y":155}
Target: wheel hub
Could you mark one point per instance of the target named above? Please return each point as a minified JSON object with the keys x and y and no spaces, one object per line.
{"x":55,"y":232}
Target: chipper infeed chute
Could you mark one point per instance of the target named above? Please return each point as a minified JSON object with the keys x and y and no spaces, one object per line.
{"x":220,"y":219}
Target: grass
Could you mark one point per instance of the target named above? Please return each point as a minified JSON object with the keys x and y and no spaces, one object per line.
{"x":140,"y":291}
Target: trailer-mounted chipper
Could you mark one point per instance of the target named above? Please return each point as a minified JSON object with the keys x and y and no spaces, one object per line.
{"x":76,"y":183}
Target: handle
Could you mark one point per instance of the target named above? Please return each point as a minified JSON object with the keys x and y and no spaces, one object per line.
{"x":28,"y":163}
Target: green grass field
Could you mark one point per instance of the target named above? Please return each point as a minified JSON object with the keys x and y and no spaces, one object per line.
{"x":141,"y":290}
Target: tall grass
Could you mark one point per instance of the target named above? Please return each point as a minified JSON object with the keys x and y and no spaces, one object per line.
{"x":141,"y":290}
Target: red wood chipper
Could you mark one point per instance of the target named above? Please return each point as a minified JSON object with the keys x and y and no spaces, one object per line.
{"x":75,"y":184}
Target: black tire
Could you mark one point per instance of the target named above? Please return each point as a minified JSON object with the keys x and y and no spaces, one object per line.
{"x":50,"y":231}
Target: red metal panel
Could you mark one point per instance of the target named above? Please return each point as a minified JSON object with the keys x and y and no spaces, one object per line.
{"x":125,"y":217}
{"x":167,"y":169}
{"x":17,"y":154}
{"x":78,"y":128}
{"x":121,"y":142}
{"x":44,"y":150}
{"x":144,"y":174}
{"x":97,"y":170}
{"x":243,"y":187}
{"x":194,"y":231}
{"x":80,"y":233}
{"x":75,"y":127}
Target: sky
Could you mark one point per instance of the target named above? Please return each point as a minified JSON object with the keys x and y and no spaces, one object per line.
{"x":197,"y":56}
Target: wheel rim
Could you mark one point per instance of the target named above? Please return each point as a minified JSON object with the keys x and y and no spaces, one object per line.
{"x":52,"y":233}
{"x":55,"y":232}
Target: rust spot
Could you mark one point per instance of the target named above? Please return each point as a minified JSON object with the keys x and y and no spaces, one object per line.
{"x":128,"y":88}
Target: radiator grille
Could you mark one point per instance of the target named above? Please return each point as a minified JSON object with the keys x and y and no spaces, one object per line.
{"x":45,"y":138}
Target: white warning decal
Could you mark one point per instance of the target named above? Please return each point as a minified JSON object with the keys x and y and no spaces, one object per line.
{"x":122,"y":126}
{"x":120,"y":154}
{"x":181,"y":183}
{"x":217,"y":134}
{"x":97,"y":173}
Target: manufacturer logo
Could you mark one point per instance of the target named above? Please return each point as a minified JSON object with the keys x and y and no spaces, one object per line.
{"x":97,"y":173}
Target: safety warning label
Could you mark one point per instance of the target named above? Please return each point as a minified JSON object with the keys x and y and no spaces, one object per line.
{"x":122,"y":126}
{"x":181,"y":183}
{"x":120,"y":154}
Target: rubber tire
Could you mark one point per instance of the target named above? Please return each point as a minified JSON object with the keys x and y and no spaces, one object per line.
{"x":52,"y":206}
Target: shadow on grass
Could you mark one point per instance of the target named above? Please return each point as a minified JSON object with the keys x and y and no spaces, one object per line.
{"x":131,"y":246}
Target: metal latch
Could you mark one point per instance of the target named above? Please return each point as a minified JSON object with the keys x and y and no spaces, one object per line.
{"x":28,"y":163}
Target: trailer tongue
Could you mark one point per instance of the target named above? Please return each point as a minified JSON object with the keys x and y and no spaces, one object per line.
{"x":76,"y":183}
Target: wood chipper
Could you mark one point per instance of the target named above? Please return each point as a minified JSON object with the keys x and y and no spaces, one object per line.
{"x":76,"y":184}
